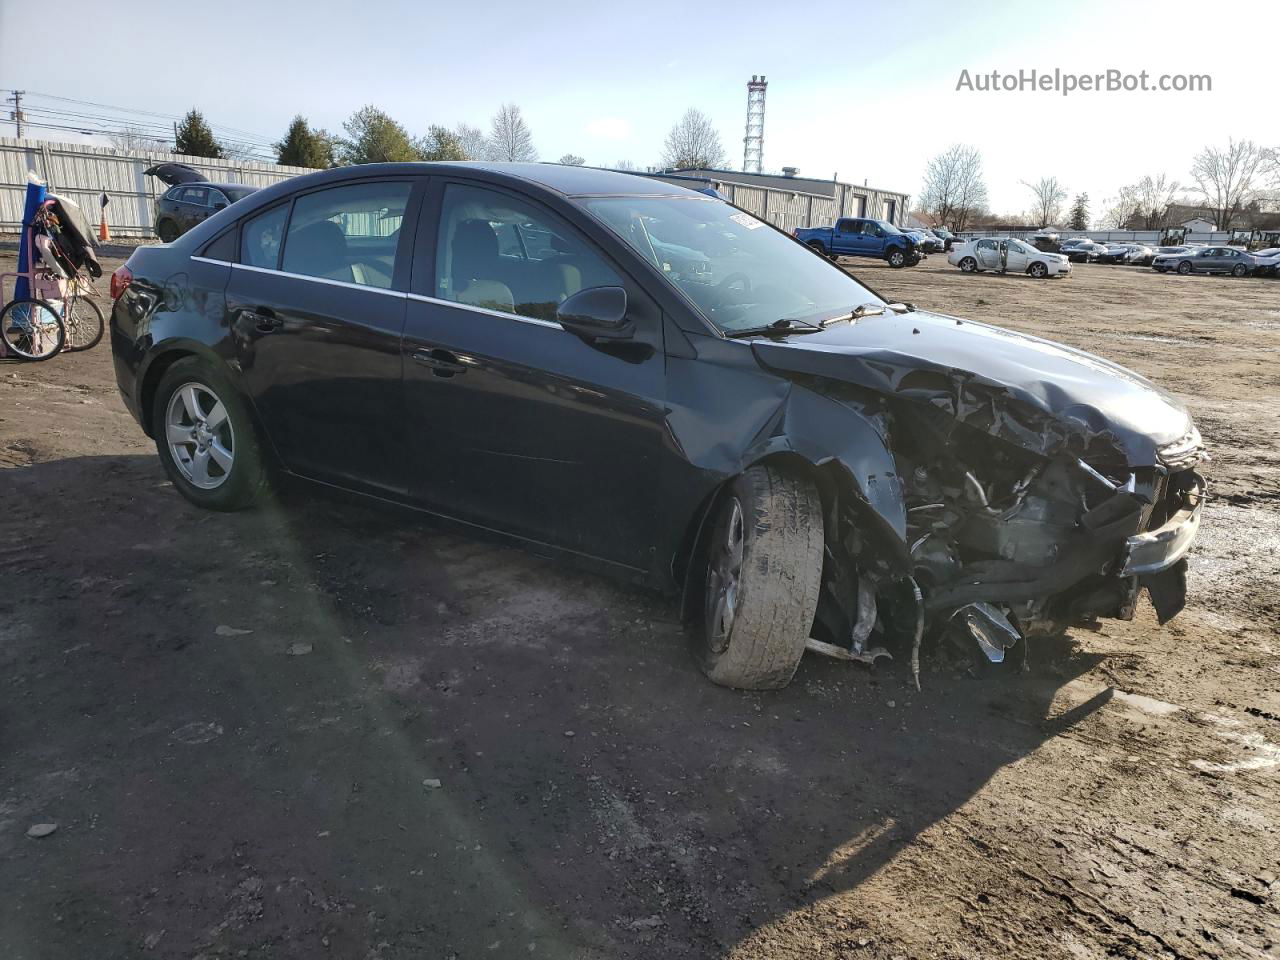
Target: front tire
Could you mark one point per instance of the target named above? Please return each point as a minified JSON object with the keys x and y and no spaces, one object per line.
{"x":764,"y":570}
{"x":968,"y":265}
{"x":897,"y":259}
{"x":1038,"y":271}
{"x":1239,"y":270}
{"x":206,"y":438}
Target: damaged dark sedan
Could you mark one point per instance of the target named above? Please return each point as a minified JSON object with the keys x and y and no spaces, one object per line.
{"x":610,"y":368}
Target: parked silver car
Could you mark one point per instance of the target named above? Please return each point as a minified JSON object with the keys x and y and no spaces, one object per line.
{"x":1238,"y":263}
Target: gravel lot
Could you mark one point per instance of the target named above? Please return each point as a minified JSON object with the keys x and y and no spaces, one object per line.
{"x":324,"y":729}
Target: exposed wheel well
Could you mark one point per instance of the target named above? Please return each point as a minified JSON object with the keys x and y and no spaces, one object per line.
{"x":835,"y":488}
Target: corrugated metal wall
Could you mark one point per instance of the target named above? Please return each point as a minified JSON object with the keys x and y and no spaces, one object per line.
{"x":83,"y":173}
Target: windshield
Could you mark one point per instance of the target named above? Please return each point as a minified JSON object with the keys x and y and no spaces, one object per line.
{"x":739,"y":272}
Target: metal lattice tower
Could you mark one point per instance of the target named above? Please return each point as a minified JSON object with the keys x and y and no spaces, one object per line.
{"x":753,"y":142}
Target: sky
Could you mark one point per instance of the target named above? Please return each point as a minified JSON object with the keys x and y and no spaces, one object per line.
{"x":864,"y":91}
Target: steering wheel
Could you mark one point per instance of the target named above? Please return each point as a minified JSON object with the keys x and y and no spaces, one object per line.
{"x":725,"y":285}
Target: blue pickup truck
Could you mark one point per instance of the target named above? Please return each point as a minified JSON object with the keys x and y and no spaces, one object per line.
{"x":860,"y":237}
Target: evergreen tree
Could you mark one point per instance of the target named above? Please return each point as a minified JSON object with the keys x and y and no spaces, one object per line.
{"x":304,"y":147}
{"x":441,"y":143}
{"x":373,"y":137}
{"x":1080,"y":212}
{"x":194,"y":138}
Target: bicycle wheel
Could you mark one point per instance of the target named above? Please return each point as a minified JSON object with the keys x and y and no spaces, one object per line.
{"x":84,"y":323}
{"x":32,"y":329}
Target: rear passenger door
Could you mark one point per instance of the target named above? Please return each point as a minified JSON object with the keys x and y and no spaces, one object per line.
{"x":192,"y":206}
{"x":316,"y":306}
{"x":846,"y":236}
{"x":514,"y":423}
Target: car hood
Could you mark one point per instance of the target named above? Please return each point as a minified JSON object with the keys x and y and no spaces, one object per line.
{"x":1041,"y":395}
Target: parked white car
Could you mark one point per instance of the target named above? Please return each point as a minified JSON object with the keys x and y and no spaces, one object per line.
{"x":1007,"y":255}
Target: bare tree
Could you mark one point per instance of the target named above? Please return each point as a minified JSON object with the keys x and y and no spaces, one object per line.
{"x":693,"y":143}
{"x":625,"y":165}
{"x":954,"y":190}
{"x":1230,"y":179}
{"x":571,"y":160}
{"x":472,"y":140}
{"x":509,"y":136}
{"x":1145,"y":205}
{"x":134,"y":139}
{"x":1049,"y":196}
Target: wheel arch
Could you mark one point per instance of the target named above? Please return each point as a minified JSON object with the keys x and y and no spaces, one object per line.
{"x":844,"y":501}
{"x":164,"y":357}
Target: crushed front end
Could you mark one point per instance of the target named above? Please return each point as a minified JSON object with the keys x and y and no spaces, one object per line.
{"x":1007,"y":543}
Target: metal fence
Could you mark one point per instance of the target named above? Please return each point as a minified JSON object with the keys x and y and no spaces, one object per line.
{"x":84,"y":173}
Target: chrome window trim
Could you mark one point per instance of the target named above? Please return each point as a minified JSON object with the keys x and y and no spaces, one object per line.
{"x":335,"y":283}
{"x":422,"y":298}
{"x":220,"y":263}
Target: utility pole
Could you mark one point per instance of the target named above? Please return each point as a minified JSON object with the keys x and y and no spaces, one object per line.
{"x":16,"y":114}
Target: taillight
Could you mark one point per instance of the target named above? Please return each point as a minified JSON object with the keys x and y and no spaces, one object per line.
{"x":120,"y":281}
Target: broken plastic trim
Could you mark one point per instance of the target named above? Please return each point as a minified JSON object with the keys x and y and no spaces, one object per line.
{"x":989,"y":627}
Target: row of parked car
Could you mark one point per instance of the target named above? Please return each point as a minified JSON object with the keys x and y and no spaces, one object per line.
{"x":1183,"y":258}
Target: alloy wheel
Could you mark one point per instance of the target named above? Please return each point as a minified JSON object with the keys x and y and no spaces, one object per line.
{"x":201,"y":440}
{"x":724,"y":575}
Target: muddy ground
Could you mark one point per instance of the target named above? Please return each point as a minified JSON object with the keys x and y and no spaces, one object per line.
{"x":236,"y":722}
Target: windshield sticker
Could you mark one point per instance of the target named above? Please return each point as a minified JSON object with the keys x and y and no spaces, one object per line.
{"x":746,"y":220}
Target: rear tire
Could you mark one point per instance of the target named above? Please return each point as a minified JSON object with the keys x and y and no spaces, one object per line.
{"x":968,"y":265}
{"x":1184,"y":267}
{"x":206,"y":438}
{"x":167,"y":231}
{"x":763,"y":574}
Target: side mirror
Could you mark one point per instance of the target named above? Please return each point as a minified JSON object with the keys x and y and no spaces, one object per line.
{"x":597,"y":313}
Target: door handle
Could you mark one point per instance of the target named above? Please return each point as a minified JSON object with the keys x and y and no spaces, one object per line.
{"x":442,"y":362}
{"x":263,"y":320}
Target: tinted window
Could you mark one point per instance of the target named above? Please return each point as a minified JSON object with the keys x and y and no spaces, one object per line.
{"x":216,"y":197}
{"x":260,"y":238}
{"x":223,"y":248}
{"x":347,"y":233}
{"x":198,"y":195}
{"x":850,"y":226}
{"x":239,"y":193}
{"x":504,"y":254}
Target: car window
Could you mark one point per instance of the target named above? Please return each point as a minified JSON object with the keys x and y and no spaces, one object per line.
{"x":260,"y":238}
{"x":198,"y":195}
{"x":216,"y":197}
{"x":174,"y":192}
{"x":348,"y":233}
{"x":986,"y":244}
{"x":850,"y":226}
{"x":736,"y":270}
{"x":501,"y":253}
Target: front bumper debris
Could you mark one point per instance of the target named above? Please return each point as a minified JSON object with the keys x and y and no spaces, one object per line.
{"x":1157,"y":550}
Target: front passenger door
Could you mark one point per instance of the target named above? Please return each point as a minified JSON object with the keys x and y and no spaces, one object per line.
{"x":514,"y":423}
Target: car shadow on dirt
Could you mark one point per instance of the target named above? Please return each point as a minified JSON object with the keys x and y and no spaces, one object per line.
{"x":326,"y":724}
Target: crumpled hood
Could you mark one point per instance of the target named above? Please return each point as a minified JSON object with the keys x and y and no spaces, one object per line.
{"x":966,"y":363}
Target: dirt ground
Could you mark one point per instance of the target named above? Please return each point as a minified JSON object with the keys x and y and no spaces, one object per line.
{"x":238,"y":723}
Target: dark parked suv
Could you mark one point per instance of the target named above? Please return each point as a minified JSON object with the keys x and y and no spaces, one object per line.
{"x":183,"y":206}
{"x":655,"y":382}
